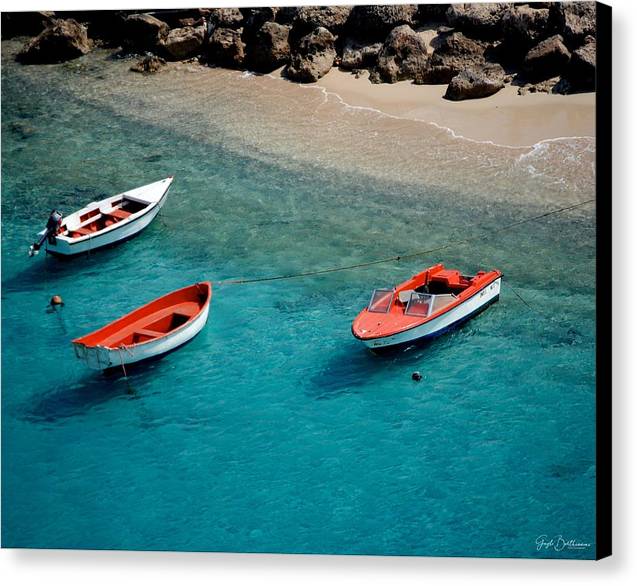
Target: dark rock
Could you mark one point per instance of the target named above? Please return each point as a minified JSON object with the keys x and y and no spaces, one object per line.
{"x":574,"y":20}
{"x":183,"y":43}
{"x":376,"y":22}
{"x":188,"y":21}
{"x":523,"y":26}
{"x":254,"y":19}
{"x":402,"y":56}
{"x":181,"y":17}
{"x":313,"y":57}
{"x":17,"y":24}
{"x":555,"y":85}
{"x":63,"y":40}
{"x":432,"y":12}
{"x":108,"y":26}
{"x":143,"y":32}
{"x":482,"y":21}
{"x":547,"y":59}
{"x":226,"y":48}
{"x":453,"y":54}
{"x":105,"y":26}
{"x":476,"y":83}
{"x":226,"y":18}
{"x":581,"y":70}
{"x":149,"y":64}
{"x":270,"y":48}
{"x":333,"y":18}
{"x":358,"y":55}
{"x":286,"y":14}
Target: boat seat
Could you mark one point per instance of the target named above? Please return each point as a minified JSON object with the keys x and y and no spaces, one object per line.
{"x":405,"y":296}
{"x":110,"y":219}
{"x":119,"y":214}
{"x":149,"y":333}
{"x":82,"y":231}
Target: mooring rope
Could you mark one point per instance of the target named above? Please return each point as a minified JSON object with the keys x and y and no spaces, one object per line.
{"x":400,"y":257}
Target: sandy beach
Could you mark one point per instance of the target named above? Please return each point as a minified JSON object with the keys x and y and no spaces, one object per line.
{"x":505,"y":118}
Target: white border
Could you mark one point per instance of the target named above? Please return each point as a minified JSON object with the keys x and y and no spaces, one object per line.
{"x":68,"y":568}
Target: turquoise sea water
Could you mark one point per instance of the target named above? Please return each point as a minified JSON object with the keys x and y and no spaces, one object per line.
{"x":274,"y":430}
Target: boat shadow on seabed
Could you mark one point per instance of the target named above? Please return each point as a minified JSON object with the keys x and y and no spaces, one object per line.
{"x":77,"y":398}
{"x":356,"y":368}
{"x":49,"y":269}
{"x":95,"y":387}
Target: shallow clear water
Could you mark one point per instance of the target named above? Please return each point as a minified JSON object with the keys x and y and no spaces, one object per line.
{"x":274,"y":430}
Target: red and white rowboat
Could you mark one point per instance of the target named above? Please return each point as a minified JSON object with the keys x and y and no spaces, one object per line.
{"x":150,"y":331}
{"x":107,"y":222}
{"x":427,"y":305}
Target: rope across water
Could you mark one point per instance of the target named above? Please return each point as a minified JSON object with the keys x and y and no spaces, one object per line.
{"x":400,"y":257}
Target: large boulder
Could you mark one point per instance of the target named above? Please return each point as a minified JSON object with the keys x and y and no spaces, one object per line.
{"x":548,"y":58}
{"x":574,"y":20}
{"x":63,"y":40}
{"x":313,"y":57}
{"x":183,"y":43}
{"x":581,"y":69}
{"x":270,"y":48}
{"x":453,"y":53}
{"x":376,"y":22}
{"x":254,"y":19}
{"x":479,"y":20}
{"x":524,"y":26}
{"x":402,"y":56}
{"x":17,"y":24}
{"x":359,"y":55}
{"x":309,"y":18}
{"x":143,"y":32}
{"x":476,"y":83}
{"x":226,"y":48}
{"x":226,"y":18}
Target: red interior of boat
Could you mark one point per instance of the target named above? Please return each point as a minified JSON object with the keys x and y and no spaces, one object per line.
{"x":452,"y":287}
{"x":104,"y":220}
{"x":154,"y":320}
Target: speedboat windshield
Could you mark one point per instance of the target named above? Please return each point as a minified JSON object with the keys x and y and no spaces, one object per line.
{"x":381,"y":300}
{"x":419,"y":304}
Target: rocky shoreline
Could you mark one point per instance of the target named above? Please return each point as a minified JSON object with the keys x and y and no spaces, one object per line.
{"x":472,"y":48}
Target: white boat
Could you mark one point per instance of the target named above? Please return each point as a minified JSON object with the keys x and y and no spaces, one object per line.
{"x":150,"y":331}
{"x":427,"y":305}
{"x":104,"y":223}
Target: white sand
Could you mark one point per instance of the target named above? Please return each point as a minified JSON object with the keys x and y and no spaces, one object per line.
{"x":504,"y":118}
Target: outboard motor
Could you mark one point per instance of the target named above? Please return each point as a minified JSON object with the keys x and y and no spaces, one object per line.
{"x":53,"y":225}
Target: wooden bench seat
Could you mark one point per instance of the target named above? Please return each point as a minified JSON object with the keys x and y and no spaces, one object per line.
{"x":118,"y":214}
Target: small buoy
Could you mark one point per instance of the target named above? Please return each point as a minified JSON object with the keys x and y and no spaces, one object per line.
{"x":56,"y":300}
{"x":416,"y":376}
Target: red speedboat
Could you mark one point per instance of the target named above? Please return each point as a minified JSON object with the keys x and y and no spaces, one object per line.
{"x":427,"y":305}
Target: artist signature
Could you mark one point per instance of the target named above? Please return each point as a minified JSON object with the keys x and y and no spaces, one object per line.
{"x":559,"y":543}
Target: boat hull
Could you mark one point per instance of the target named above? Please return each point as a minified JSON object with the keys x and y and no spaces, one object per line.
{"x":102,"y":358}
{"x":115,"y":234}
{"x":439,"y":325}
